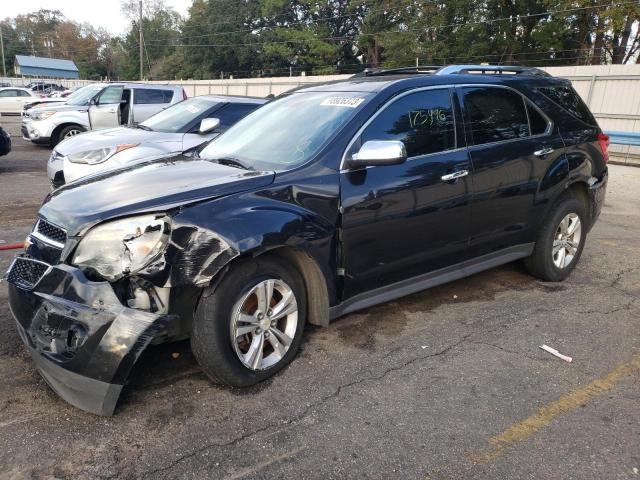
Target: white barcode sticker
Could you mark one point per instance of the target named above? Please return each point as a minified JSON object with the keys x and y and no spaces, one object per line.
{"x":351,"y":102}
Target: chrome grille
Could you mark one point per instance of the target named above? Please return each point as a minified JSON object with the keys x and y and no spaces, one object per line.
{"x":25,"y":273}
{"x":50,"y":233}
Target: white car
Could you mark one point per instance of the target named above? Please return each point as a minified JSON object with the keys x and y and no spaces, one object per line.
{"x":180,"y":127}
{"x":98,"y":106}
{"x":13,"y":99}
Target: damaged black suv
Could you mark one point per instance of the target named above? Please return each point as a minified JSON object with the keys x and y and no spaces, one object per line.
{"x":327,"y":200}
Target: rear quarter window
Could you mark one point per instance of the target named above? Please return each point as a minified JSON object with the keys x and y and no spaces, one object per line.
{"x":147,"y":96}
{"x":569,"y":100}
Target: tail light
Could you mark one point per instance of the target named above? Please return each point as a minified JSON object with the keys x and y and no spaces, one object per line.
{"x":184,"y":96}
{"x":603,"y":141}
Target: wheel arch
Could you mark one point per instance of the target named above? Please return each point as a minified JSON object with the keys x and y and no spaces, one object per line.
{"x":314,"y":280}
{"x":58,"y":129}
{"x":203,"y":251}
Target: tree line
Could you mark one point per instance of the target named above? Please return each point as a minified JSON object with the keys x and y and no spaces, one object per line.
{"x":248,"y":38}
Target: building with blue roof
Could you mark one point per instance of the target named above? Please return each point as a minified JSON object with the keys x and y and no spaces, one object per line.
{"x":28,"y":66}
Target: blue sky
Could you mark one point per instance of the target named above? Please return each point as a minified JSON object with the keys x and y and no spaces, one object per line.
{"x":99,"y":13}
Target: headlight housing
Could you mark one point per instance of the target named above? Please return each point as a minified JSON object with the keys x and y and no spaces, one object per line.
{"x":123,"y":247}
{"x":99,"y":155}
{"x":41,"y":115}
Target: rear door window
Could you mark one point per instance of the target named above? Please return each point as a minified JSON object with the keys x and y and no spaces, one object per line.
{"x":423,"y":121}
{"x":8,"y":93}
{"x":495,"y":114}
{"x":148,"y":96}
{"x":568,"y":99}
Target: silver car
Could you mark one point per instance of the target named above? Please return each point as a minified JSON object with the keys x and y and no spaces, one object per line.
{"x":180,"y":127}
{"x":98,"y":106}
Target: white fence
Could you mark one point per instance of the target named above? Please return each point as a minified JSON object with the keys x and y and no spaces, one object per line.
{"x":254,"y":87}
{"x":612,"y":92}
{"x":22,"y":81}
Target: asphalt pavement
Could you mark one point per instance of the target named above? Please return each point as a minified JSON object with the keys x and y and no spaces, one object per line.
{"x":444,"y":384}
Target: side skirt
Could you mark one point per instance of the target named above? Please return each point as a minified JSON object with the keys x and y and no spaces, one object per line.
{"x":431,"y":279}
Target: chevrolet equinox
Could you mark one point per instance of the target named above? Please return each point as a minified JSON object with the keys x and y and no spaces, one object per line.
{"x":330,"y":199}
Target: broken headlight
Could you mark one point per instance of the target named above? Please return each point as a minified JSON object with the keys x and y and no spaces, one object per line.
{"x":121,"y":247}
{"x":99,"y":155}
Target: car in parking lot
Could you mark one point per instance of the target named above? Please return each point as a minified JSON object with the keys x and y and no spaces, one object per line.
{"x":328,"y":200}
{"x":96,"y":107}
{"x":13,"y":99}
{"x":182,"y":126}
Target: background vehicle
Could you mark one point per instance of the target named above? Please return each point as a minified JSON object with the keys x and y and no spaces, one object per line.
{"x":43,"y":88}
{"x":53,"y":99}
{"x":180,"y":127}
{"x":325,"y":201}
{"x":5,"y":141}
{"x":13,"y":99}
{"x":102,"y":106}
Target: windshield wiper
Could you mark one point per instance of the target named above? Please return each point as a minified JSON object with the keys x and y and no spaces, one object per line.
{"x":142,"y":127}
{"x":232,"y":162}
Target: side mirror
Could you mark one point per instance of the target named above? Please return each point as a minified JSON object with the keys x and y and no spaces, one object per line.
{"x":208,"y":124}
{"x":378,"y":153}
{"x":93,"y":101}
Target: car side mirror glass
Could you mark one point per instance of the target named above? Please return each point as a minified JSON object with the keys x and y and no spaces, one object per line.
{"x":93,"y":101}
{"x":378,"y":153}
{"x":208,"y":124}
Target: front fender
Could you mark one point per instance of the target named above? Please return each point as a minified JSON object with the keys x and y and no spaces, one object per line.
{"x":77,"y":118}
{"x":207,"y":236}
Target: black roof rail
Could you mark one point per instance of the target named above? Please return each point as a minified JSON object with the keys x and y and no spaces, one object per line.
{"x":419,"y":69}
{"x":492,"y":69}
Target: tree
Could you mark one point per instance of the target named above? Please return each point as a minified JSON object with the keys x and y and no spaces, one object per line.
{"x":161,"y":31}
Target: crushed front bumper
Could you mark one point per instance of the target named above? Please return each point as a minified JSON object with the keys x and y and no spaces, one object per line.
{"x":82,"y":339}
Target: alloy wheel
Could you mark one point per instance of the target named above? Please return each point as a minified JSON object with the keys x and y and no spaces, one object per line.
{"x":72,"y":133}
{"x":264,"y":324}
{"x":566,"y":240}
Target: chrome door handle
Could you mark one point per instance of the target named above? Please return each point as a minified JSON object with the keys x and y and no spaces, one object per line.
{"x":455,"y":175}
{"x":543,"y":152}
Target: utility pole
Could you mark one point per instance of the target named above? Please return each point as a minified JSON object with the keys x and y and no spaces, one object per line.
{"x":140,"y":25}
{"x":4,"y":67}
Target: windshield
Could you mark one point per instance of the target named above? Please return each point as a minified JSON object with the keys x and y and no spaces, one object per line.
{"x":82,"y":96}
{"x":286,"y":132}
{"x":178,"y":117}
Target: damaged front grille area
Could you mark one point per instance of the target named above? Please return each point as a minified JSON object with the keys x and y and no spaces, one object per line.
{"x":50,"y":233}
{"x":25,"y":273}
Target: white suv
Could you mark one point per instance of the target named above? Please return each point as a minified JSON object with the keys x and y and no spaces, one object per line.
{"x":98,"y":106}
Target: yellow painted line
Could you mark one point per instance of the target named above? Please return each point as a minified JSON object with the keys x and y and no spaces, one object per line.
{"x":546,"y":414}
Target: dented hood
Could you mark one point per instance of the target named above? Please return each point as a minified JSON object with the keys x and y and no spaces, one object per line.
{"x":155,"y":185}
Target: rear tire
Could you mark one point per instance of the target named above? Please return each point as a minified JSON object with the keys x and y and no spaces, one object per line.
{"x":237,"y":343}
{"x":560,"y":241}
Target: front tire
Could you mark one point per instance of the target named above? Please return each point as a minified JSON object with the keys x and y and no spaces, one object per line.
{"x":560,"y":241}
{"x":251,"y":326}
{"x":68,"y":132}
